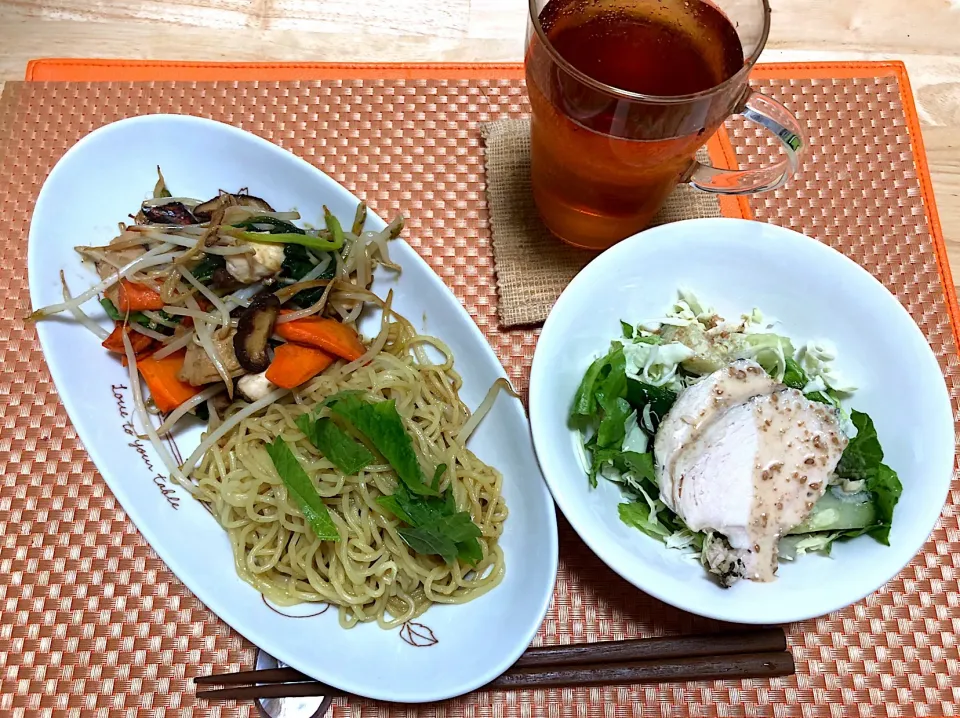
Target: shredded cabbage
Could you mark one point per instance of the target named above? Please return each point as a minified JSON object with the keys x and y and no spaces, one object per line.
{"x":655,"y":364}
{"x":771,"y":351}
{"x":816,"y":359}
{"x":635,"y":439}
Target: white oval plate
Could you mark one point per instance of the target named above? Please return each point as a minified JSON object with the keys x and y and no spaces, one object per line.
{"x":96,"y":184}
{"x":816,"y":293}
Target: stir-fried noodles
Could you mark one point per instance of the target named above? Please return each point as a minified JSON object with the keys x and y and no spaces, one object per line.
{"x":336,"y":464}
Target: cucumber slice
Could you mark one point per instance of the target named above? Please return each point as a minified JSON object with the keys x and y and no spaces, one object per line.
{"x":839,"y":511}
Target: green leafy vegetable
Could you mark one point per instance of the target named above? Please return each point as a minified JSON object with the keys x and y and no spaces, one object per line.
{"x":343,"y":451}
{"x":605,"y":400}
{"x":609,"y":392}
{"x":434,"y":526}
{"x":862,"y":460}
{"x":111,"y":309}
{"x":647,"y":512}
{"x":137,"y":317}
{"x":652,"y":339}
{"x":451,"y":538}
{"x":333,"y":227}
{"x":886,"y":487}
{"x":277,"y":226}
{"x":640,"y":465}
{"x":641,"y":515}
{"x":201,"y":411}
{"x":359,"y":218}
{"x":864,"y":453}
{"x":307,"y":240}
{"x":429,"y":540}
{"x":302,"y":490}
{"x":627,"y":330}
{"x":283,"y":232}
{"x":585,"y":401}
{"x":381,"y":423}
{"x":794,"y":376}
{"x":612,"y":382}
{"x":612,"y":429}
{"x":660,"y":398}
{"x":468,"y":550}
{"x":296,"y":265}
{"x":437,"y":475}
{"x":160,"y":188}
{"x":651,"y":516}
{"x":205,"y":268}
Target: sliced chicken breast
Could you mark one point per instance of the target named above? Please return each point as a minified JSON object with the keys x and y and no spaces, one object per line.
{"x":699,"y":405}
{"x":750,"y":464}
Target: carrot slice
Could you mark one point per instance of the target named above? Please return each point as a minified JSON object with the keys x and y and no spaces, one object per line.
{"x":114,"y":343}
{"x":134,"y":297}
{"x":327,"y":334}
{"x":294,"y":364}
{"x":167,"y":390}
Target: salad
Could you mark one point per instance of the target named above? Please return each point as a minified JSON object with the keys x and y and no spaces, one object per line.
{"x":732,"y":443}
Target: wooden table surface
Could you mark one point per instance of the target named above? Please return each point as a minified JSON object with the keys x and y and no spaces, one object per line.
{"x":923,"y":33}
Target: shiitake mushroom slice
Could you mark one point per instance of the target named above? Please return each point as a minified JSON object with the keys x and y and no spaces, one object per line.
{"x":254,"y":329}
{"x":168,"y":213}
{"x":205,"y":210}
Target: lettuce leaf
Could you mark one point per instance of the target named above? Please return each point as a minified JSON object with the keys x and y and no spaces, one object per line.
{"x":862,"y":460}
{"x":651,"y":516}
{"x":604,"y":380}
{"x":863,"y":454}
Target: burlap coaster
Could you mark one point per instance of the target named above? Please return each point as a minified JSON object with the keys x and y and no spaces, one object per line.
{"x":532,"y":265}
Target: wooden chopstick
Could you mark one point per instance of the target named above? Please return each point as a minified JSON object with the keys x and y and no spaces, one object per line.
{"x":764,"y":640}
{"x":699,"y":668}
{"x":752,"y":654}
{"x":267,"y":675}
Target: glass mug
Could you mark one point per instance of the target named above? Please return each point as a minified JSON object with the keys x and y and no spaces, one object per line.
{"x":624,"y":92}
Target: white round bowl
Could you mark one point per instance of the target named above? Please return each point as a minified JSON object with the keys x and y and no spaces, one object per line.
{"x":816,"y":293}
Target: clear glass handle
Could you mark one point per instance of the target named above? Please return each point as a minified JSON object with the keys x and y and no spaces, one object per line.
{"x":778,"y":120}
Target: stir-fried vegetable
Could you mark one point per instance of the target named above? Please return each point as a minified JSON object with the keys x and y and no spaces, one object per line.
{"x":135,"y":297}
{"x":306,"y":240}
{"x":162,"y":378}
{"x":195,"y":290}
{"x":294,"y":364}
{"x":254,"y":328}
{"x":327,"y":334}
{"x":207,"y":266}
{"x":114,"y":342}
{"x":160,"y":189}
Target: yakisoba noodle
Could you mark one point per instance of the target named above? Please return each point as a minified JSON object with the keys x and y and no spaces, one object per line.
{"x":198,"y":293}
{"x":370,"y":574}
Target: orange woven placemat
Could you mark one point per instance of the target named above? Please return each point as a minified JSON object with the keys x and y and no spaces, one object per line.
{"x":92,"y":621}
